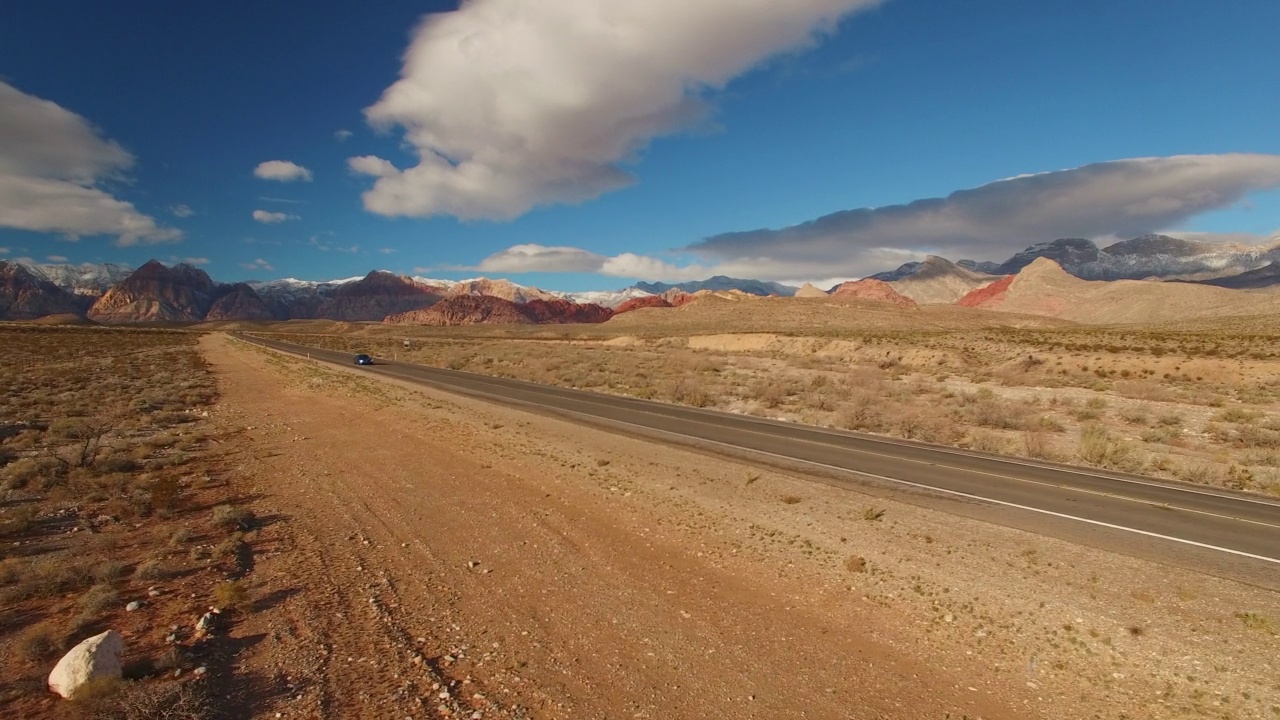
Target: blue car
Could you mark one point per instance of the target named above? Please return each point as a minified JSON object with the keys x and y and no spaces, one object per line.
{"x":364,"y":360}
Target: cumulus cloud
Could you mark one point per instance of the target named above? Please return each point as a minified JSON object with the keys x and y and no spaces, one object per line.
{"x":510,"y":104}
{"x":282,"y":171}
{"x":197,"y":261}
{"x":182,"y":211}
{"x":1121,"y":199}
{"x":372,"y":165}
{"x":541,"y":258}
{"x":258,"y":264}
{"x":52,"y":166}
{"x":342,"y":135}
{"x":267,"y":218}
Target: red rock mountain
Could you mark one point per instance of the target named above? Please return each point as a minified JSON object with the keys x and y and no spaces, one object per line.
{"x":489,"y":310}
{"x":871,"y":289}
{"x":155,"y":293}
{"x":559,"y":311}
{"x":240,"y":303}
{"x":23,"y":296}
{"x":464,"y":310}
{"x":649,"y":301}
{"x":376,"y":296}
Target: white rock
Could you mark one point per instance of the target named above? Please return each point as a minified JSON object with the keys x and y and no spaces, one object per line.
{"x":95,"y":657}
{"x":132,"y":606}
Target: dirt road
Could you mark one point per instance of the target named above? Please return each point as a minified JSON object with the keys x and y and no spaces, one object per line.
{"x":436,"y":560}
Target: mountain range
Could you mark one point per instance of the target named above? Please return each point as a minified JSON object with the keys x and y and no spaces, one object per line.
{"x":184,"y":293}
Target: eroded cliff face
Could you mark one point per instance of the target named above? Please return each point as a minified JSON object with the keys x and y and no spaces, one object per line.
{"x":377,"y":296}
{"x":23,"y":296}
{"x":155,"y":293}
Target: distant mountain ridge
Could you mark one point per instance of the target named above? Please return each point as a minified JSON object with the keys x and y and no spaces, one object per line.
{"x":720,"y":283}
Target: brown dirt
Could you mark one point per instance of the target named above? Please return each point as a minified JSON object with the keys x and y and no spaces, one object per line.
{"x":542,"y":569}
{"x":526,"y":588}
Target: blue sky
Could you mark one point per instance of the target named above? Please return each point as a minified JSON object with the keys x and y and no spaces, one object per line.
{"x":584,"y":144}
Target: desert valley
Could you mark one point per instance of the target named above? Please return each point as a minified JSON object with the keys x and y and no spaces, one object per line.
{"x":169,"y":482}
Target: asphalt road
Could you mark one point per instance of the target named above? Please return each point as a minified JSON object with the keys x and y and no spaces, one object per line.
{"x":1232,"y":535}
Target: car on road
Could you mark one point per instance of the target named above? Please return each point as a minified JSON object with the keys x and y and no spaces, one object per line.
{"x":363,"y":359}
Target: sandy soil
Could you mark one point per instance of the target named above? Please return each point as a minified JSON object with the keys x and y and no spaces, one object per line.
{"x":448,"y":558}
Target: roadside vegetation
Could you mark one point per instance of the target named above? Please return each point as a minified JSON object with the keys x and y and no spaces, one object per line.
{"x":1199,"y":406}
{"x":115,"y":513}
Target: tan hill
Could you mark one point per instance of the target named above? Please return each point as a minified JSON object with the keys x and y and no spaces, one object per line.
{"x":871,"y":289}
{"x":809,"y":291}
{"x":23,"y":296}
{"x":939,"y":281}
{"x":155,"y":293}
{"x":800,"y":316}
{"x":504,"y":289}
{"x":1044,"y":288}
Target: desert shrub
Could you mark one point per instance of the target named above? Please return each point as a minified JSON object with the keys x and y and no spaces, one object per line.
{"x":32,"y":470}
{"x":1250,"y":436}
{"x":149,"y":570}
{"x":1170,"y":420}
{"x":855,"y":563}
{"x":232,"y":594}
{"x":987,"y":442}
{"x":150,"y":700}
{"x":1135,"y":416}
{"x":38,"y":643}
{"x":230,"y":517}
{"x":46,"y":578}
{"x":97,"y":598}
{"x":998,"y":414}
{"x":163,"y":494}
{"x":1161,"y":435}
{"x":1038,"y":445}
{"x":109,"y":571}
{"x":1099,"y":447}
{"x":1237,"y":415}
{"x":180,"y":536}
{"x":862,"y":412}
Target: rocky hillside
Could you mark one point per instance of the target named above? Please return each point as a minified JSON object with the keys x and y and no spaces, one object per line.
{"x":490,"y":310}
{"x":24,"y":296}
{"x":155,"y":293}
{"x":939,"y":281}
{"x":376,"y":296}
{"x":241,"y":302}
{"x":648,"y":301}
{"x":1263,"y":277}
{"x":868,"y":289}
{"x":504,"y":289}
{"x":1044,"y":288}
{"x":808,"y":290}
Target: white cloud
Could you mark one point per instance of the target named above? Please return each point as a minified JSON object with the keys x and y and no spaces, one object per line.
{"x":56,"y":258}
{"x":511,"y":104}
{"x":325,"y":245}
{"x":266,"y":217}
{"x":1118,"y":199}
{"x":197,"y":261}
{"x":286,"y":201}
{"x":387,"y":251}
{"x":52,"y":162}
{"x":258,"y":264}
{"x":182,"y":211}
{"x":372,"y":165}
{"x":4,"y":251}
{"x":540,"y":258}
{"x":282,"y":171}
{"x":342,"y":135}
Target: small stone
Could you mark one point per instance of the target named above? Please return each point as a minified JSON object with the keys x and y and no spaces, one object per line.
{"x":153,"y":593}
{"x":135,"y":605}
{"x":200,"y":670}
{"x":948,"y":618}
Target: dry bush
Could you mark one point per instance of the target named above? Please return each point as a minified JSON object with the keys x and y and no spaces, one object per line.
{"x":1037,"y":445}
{"x":855,"y":563}
{"x":38,"y":643}
{"x":988,"y":442}
{"x":149,"y":570}
{"x":96,"y":599}
{"x":232,"y":594}
{"x":1099,"y":447}
{"x":862,"y":412}
{"x":230,"y":517}
{"x":44,"y":578}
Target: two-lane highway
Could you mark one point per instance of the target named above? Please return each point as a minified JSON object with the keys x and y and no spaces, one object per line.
{"x":1215,"y":531}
